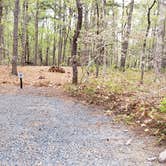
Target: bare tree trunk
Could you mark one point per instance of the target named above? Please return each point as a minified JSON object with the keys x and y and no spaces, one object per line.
{"x":15,"y":38}
{"x":1,"y":29}
{"x":122,"y":19}
{"x":36,"y":31}
{"x":114,"y":35}
{"x":54,"y":40}
{"x":159,"y":41}
{"x":144,"y":43}
{"x":86,"y":21}
{"x":68,"y":29}
{"x":105,"y":52}
{"x":40,"y":55}
{"x":98,"y":51}
{"x":126,"y":35}
{"x":75,"y":39}
{"x":40,"y":46}
{"x":27,"y":48}
{"x":64,"y":46}
{"x":47,"y":55}
{"x":24,"y":31}
{"x":60,"y":42}
{"x":54,"y":50}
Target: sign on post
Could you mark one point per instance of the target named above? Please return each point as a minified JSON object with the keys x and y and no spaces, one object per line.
{"x":20,"y":76}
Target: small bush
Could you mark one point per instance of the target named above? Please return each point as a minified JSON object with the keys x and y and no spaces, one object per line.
{"x":89,"y":90}
{"x":163,"y":105}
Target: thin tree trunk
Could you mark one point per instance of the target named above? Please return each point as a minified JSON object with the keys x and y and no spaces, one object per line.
{"x":27,"y":49}
{"x":75,"y":39}
{"x":159,"y":40}
{"x":41,"y":45}
{"x":24,"y":31}
{"x":54,"y":50}
{"x":54,"y":40}
{"x":60,"y":42}
{"x":47,"y":55}
{"x":126,"y":35}
{"x":15,"y":38}
{"x":98,"y":51}
{"x":36,"y":31}
{"x":105,"y":52}
{"x":122,"y":19}
{"x":1,"y":30}
{"x":144,"y":43}
{"x":114,"y":45}
{"x":66,"y":38}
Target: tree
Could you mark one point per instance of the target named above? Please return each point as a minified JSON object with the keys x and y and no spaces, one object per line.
{"x":60,"y":42}
{"x":15,"y":38}
{"x":145,"y":41}
{"x":98,"y":45}
{"x":126,"y":35}
{"x":1,"y":28}
{"x":160,"y":38}
{"x":75,"y":40}
{"x":24,"y":31}
{"x":36,"y":31}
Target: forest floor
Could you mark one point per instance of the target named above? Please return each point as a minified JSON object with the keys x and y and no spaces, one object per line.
{"x":118,"y":94}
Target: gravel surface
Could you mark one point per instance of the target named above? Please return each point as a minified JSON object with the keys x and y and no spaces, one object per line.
{"x":49,"y":131}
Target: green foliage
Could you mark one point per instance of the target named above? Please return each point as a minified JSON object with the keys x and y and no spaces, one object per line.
{"x":129,"y":119}
{"x":89,"y":90}
{"x":113,"y":87}
{"x":163,"y":105}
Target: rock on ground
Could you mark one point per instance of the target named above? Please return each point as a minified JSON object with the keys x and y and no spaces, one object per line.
{"x":162,"y":157}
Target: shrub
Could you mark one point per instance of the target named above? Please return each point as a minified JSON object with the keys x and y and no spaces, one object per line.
{"x":163,"y":105}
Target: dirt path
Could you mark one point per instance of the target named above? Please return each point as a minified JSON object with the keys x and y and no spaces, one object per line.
{"x":36,"y":130}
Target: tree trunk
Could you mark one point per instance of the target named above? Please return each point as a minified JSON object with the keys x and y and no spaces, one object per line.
{"x":47,"y":55}
{"x":98,"y":45}
{"x":144,"y":43}
{"x":15,"y":38}
{"x":66,"y":37}
{"x":54,"y":50}
{"x":27,"y":48}
{"x":40,"y":46}
{"x":104,"y":25}
{"x":74,"y":44}
{"x":114,"y":35}
{"x":125,"y":40}
{"x":24,"y":31}
{"x":60,"y":42}
{"x":54,"y":39}
{"x":160,"y":36}
{"x":1,"y":30}
{"x":36,"y":31}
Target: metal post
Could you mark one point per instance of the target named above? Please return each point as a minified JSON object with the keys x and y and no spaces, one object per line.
{"x":21,"y":84}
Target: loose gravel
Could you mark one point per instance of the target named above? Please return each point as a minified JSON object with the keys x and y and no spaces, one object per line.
{"x":49,"y":131}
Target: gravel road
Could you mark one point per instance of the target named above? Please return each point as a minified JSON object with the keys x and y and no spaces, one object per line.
{"x":49,"y":131}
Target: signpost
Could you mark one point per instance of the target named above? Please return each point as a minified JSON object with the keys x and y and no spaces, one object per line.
{"x":20,"y":76}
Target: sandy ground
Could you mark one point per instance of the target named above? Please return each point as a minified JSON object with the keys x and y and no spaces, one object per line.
{"x":32,"y":76}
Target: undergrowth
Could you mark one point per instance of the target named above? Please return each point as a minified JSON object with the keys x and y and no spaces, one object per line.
{"x":122,"y":94}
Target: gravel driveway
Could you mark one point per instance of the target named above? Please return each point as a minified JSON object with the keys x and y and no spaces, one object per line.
{"x":48,"y":131}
